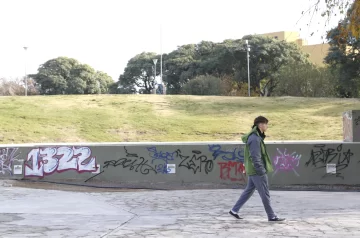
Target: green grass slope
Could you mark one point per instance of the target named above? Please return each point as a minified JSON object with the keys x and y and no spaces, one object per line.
{"x":136,"y":118}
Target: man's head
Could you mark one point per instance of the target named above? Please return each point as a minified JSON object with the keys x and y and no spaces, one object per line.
{"x":262,"y":123}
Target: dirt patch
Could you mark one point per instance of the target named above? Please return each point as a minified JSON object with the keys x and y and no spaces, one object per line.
{"x":160,"y":105}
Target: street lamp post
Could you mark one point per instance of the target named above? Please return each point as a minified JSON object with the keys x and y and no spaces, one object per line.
{"x":155,"y":61}
{"x":161,"y":55}
{"x":248,"y":66}
{"x":26,"y":86}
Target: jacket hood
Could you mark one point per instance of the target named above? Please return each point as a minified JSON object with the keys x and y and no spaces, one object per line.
{"x":245,"y":138}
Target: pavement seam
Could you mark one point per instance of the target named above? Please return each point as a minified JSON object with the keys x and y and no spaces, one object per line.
{"x":118,"y":227}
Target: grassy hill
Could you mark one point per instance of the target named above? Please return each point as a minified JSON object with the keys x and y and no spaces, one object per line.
{"x":118,"y":118}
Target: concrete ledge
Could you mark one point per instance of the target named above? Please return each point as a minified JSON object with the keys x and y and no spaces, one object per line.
{"x":194,"y":164}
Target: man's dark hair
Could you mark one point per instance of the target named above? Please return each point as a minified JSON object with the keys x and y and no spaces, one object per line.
{"x":260,"y":119}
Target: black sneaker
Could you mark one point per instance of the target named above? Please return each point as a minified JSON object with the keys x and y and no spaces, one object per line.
{"x":235,"y":215}
{"x":277,"y":219}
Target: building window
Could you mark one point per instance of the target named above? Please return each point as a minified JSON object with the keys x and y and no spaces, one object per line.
{"x":275,"y":37}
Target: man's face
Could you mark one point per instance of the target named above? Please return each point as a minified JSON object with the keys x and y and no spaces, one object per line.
{"x":263,"y":126}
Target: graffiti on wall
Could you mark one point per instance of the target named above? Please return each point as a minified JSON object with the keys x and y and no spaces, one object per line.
{"x":322,"y":155}
{"x":158,"y":161}
{"x":357,"y":127}
{"x":132,"y":162}
{"x":236,"y":154}
{"x":347,"y":127}
{"x":7,"y":158}
{"x":197,"y":162}
{"x":163,"y":158}
{"x":230,"y":161}
{"x":285,"y":162}
{"x":48,"y":160}
{"x":232,"y":170}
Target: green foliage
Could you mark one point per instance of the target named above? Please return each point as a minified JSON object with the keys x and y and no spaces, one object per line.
{"x":267,"y":56}
{"x":64,"y":75}
{"x":344,"y":59}
{"x":203,"y":85}
{"x":225,"y":59}
{"x":305,"y":80}
{"x":139,"y":73}
{"x":350,"y":9}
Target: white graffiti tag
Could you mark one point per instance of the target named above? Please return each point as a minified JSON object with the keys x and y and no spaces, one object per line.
{"x":45,"y":161}
{"x":7,"y":158}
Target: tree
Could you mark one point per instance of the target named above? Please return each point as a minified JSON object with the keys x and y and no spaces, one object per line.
{"x":222,"y":60}
{"x":104,"y":81}
{"x":305,"y":80}
{"x":181,"y":65}
{"x":52,"y":76}
{"x":139,"y":72}
{"x":203,"y":85}
{"x":344,"y":59}
{"x":228,"y":59}
{"x":267,"y":56}
{"x":64,"y":75}
{"x":350,"y":9}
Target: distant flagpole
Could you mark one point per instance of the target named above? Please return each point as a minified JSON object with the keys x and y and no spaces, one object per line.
{"x":161,"y":62}
{"x":161,"y":54}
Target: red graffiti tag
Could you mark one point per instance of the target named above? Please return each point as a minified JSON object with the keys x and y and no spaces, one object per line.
{"x":233,"y":171}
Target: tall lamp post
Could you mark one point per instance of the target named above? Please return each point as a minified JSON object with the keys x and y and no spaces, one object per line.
{"x":248,"y":66}
{"x":161,"y":78}
{"x":26,"y":86}
{"x":155,"y":61}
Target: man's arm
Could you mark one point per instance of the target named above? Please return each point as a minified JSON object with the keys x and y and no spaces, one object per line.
{"x":255,"y":153}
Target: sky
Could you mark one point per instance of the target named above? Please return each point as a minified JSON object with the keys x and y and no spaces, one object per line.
{"x":105,"y":34}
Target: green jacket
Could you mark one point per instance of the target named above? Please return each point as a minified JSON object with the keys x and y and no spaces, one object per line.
{"x":257,"y":160}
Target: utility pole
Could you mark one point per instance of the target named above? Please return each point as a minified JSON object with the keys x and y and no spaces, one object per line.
{"x":248,"y":65}
{"x":26,"y":86}
{"x":161,"y":78}
{"x":155,"y":61}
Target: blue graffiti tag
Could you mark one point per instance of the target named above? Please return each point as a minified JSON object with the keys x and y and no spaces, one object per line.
{"x":163,"y":156}
{"x":236,"y":154}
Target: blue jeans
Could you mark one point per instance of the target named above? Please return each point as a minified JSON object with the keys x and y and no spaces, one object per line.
{"x":262,"y":185}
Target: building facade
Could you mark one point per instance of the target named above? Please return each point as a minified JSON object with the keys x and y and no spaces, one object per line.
{"x":317,"y":52}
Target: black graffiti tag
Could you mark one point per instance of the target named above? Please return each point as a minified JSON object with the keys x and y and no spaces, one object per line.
{"x":138,"y":165}
{"x":357,"y":121}
{"x":321,"y":156}
{"x":130,"y":161}
{"x":196,"y":163}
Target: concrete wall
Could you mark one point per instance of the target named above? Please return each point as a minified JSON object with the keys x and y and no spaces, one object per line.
{"x":180,"y":163}
{"x":351,"y":126}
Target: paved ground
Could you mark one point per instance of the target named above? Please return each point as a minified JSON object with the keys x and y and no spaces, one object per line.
{"x":26,"y":212}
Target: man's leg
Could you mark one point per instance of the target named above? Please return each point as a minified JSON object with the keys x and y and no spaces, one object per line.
{"x":262,"y":186}
{"x":247,"y":193}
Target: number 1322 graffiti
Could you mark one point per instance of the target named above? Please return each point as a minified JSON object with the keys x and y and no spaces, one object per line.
{"x":45,"y":161}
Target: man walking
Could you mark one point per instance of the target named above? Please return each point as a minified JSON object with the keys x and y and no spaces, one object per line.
{"x":257,"y":165}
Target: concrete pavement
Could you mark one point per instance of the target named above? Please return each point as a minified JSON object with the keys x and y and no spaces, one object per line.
{"x":28,"y":212}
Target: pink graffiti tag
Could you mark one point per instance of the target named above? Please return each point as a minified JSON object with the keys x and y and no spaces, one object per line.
{"x":286,"y":162}
{"x":45,"y":161}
